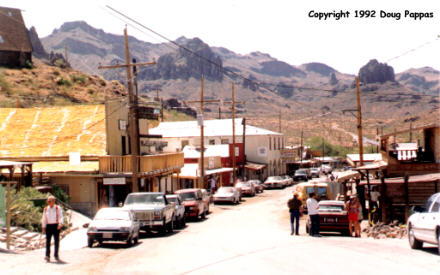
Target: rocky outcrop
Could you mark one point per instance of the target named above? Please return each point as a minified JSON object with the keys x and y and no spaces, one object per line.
{"x":37,"y":48}
{"x":279,"y":68}
{"x":183,"y":64}
{"x":319,"y":68}
{"x":375,"y":72}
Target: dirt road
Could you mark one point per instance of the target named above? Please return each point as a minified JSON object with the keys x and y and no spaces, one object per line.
{"x":251,"y":238}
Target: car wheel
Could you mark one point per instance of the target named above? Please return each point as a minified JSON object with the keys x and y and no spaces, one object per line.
{"x":89,"y":242}
{"x":183,"y":222}
{"x":203,"y":216}
{"x":207,"y":211}
{"x":163,"y":228}
{"x":438,"y":241}
{"x":413,"y":242}
{"x":129,"y":242}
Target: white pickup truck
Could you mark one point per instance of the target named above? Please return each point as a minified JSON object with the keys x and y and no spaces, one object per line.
{"x":424,"y":225}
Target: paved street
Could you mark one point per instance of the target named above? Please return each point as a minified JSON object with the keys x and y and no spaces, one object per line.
{"x":252,"y":238}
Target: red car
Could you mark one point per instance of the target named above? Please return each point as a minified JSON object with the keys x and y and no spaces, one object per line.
{"x":332,"y":217}
{"x":195,"y":204}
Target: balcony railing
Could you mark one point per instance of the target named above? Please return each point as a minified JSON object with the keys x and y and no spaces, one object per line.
{"x":147,"y":164}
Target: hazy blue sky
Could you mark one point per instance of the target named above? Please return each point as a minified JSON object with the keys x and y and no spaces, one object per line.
{"x":281,"y":28}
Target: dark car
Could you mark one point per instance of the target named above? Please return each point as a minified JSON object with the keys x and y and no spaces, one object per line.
{"x":301,"y":175}
{"x":332,"y":217}
{"x":193,"y":200}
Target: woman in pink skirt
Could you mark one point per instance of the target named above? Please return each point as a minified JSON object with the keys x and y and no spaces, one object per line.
{"x":352,"y":207}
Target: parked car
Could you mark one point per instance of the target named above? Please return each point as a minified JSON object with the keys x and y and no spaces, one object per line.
{"x":195,"y":206}
{"x":152,"y":210}
{"x":315,"y":172}
{"x":259,"y":187}
{"x":179,"y":219}
{"x":227,"y":194}
{"x":206,"y":198}
{"x":424,"y":224}
{"x":113,"y":224}
{"x":326,"y":169}
{"x":301,"y":175}
{"x":246,"y":188}
{"x":288,"y":181}
{"x":332,"y":217}
{"x":273,"y":182}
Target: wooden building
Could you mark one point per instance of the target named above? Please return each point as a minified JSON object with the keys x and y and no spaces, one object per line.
{"x":15,"y":45}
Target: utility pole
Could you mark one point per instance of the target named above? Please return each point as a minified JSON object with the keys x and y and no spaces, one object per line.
{"x":410,"y":133}
{"x":132,"y":111}
{"x":301,"y":148}
{"x":66,"y":56}
{"x":359,"y":117}
{"x":202,"y":134}
{"x":244,"y":143}
{"x":219,"y":111}
{"x":233,"y":102}
{"x":279,"y":122}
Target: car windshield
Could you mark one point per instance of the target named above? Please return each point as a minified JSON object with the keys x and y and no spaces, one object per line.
{"x":322,"y":190}
{"x":254,"y":181}
{"x":172,"y":199}
{"x":300,"y":172}
{"x":246,"y":184}
{"x":112,"y":214}
{"x":314,"y":170}
{"x":274,"y":178}
{"x":331,"y":208}
{"x":188,"y":196}
{"x":310,"y":189}
{"x":225,"y":190}
{"x":144,"y":198}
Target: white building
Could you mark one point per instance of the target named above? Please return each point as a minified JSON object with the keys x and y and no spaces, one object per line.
{"x":261,"y":146}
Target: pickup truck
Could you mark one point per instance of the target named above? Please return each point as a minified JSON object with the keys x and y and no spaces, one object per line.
{"x":152,"y":210}
{"x":424,"y":224}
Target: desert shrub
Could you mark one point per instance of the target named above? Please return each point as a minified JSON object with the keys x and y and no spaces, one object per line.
{"x":29,"y":64}
{"x":79,"y":78}
{"x":23,"y":211}
{"x":64,"y":82}
{"x":4,"y":85}
{"x":315,"y":144}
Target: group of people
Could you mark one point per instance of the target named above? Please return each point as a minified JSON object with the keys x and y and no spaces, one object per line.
{"x":296,"y":211}
{"x":352,"y":206}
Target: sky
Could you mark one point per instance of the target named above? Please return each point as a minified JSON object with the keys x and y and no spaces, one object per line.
{"x":281,"y":28}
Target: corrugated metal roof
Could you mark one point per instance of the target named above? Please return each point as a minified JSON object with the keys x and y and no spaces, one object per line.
{"x":220,"y":150}
{"x":55,"y":131}
{"x":213,"y":128}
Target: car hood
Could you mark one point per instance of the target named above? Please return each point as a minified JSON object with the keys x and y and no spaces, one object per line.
{"x":110,"y":224}
{"x":143,"y":207}
{"x":223,"y":195}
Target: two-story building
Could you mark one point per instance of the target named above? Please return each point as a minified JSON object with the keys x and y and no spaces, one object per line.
{"x":262,"y":147}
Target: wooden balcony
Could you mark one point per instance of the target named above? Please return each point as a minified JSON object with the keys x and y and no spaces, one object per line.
{"x":147,"y":164}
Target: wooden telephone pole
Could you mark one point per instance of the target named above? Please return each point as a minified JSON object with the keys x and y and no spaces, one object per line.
{"x":202,"y":134}
{"x":233,"y":102}
{"x":132,"y":118}
{"x":279,"y":122}
{"x":359,"y":118}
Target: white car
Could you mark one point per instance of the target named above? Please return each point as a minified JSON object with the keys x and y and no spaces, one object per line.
{"x":227,"y":194}
{"x":113,"y":224}
{"x":326,"y":169}
{"x":274,"y":182}
{"x":179,"y":219}
{"x":424,"y":225}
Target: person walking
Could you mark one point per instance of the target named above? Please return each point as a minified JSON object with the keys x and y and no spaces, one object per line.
{"x":295,"y":210}
{"x":352,"y":207}
{"x":52,"y":222}
{"x":312,"y":208}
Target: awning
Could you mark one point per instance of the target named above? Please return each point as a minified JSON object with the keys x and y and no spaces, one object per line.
{"x":347,"y":175}
{"x":254,"y":166}
{"x":434,"y":177}
{"x":191,"y":171}
{"x":377,"y":165}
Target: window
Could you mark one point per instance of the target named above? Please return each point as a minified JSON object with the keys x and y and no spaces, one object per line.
{"x":436,"y":206}
{"x":212,"y":142}
{"x":270,"y":144}
{"x":225,"y":141}
{"x":1,"y":39}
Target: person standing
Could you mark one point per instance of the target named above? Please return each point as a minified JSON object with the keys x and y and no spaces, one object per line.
{"x":374,"y":196}
{"x":352,"y":207}
{"x":294,"y":205}
{"x":52,"y":222}
{"x":312,"y":208}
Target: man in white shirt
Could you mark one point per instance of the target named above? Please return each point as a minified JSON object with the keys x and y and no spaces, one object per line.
{"x":374,"y":195}
{"x":312,"y":209}
{"x":52,"y":222}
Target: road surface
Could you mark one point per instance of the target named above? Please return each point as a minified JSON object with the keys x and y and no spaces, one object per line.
{"x":251,"y":238}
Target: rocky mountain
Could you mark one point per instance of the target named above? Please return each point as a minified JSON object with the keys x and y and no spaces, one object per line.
{"x":266,"y":84}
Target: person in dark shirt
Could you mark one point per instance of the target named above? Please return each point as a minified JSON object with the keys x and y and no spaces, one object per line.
{"x":295,"y":209}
